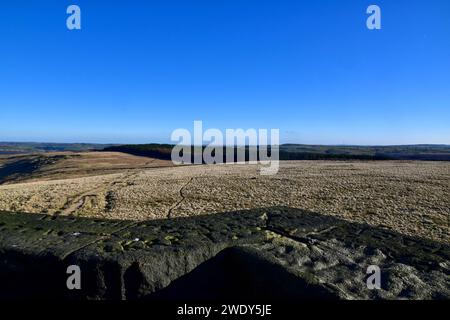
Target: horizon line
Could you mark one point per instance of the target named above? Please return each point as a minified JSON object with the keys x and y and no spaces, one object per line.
{"x":281,"y":144}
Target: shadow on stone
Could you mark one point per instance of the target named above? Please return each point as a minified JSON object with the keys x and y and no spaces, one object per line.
{"x":240,"y":274}
{"x":263,"y":254}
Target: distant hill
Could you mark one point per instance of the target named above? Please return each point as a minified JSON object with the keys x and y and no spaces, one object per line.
{"x":39,"y":147}
{"x":317,"y":152}
{"x":287,"y":151}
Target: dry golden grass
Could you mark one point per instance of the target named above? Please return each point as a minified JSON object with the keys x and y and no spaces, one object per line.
{"x":64,"y":165}
{"x":410,"y":197}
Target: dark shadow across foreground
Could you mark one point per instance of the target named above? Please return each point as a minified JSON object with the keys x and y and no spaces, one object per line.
{"x":257,"y":255}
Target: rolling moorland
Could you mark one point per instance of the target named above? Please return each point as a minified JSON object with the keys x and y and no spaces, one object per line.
{"x":410,"y":197}
{"x":142,"y":228}
{"x":40,"y":147}
{"x":287,"y":151}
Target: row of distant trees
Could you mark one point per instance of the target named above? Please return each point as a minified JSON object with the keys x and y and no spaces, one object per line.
{"x":164,"y":151}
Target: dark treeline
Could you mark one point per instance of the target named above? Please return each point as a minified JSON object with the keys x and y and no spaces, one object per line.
{"x":153,"y":150}
{"x":164,"y":151}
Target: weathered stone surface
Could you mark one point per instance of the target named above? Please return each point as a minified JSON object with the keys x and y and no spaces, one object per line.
{"x":271,"y":253}
{"x":58,"y":236}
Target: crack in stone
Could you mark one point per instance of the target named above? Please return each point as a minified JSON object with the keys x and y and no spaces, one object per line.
{"x":306,"y":240}
{"x":183,"y":197}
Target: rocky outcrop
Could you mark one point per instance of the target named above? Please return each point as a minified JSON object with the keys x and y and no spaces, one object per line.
{"x":270,"y":253}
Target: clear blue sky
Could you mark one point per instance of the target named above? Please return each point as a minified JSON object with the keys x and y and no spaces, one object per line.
{"x":139,"y":69}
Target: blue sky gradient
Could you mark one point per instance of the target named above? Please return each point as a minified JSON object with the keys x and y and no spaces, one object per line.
{"x":139,"y":69}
